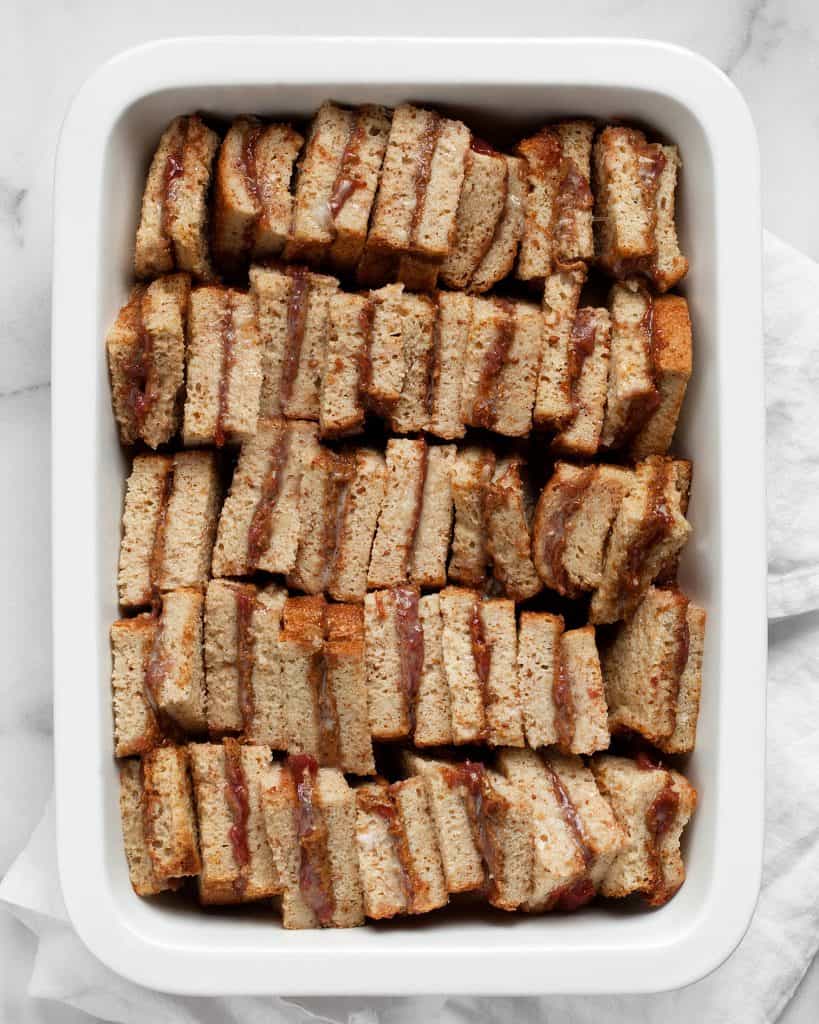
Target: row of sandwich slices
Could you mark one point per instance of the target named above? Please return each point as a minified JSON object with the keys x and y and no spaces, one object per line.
{"x":344,"y":523}
{"x":303,"y":676}
{"x":216,"y":361}
{"x":412,"y":196}
{"x":535,"y":832}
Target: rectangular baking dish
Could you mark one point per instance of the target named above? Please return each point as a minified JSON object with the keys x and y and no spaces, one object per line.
{"x":106,"y":144}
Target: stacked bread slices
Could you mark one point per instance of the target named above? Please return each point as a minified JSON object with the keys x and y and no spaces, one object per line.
{"x":400,"y":620}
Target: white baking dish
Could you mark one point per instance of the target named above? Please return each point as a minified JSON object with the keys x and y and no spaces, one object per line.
{"x":105,"y":147}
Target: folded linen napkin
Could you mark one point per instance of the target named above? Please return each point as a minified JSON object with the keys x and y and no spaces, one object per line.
{"x":758,"y":980}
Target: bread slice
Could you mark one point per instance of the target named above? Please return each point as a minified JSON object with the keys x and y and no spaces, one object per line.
{"x":508,"y":509}
{"x":400,"y":513}
{"x":538,"y":672}
{"x":175,"y":671}
{"x":341,"y":407}
{"x":385,"y":364}
{"x":146,"y":359}
{"x":433,"y":718}
{"x":357,"y":524}
{"x":132,"y":802}
{"x":310,"y":820}
{"x":395,"y":654}
{"x":173,"y":226}
{"x":558,"y":223}
{"x":224,"y":368}
{"x":480,"y":208}
{"x":398,"y":854}
{"x":245,"y":690}
{"x":671,"y":353}
{"x":634,"y":195}
{"x":410,"y":413}
{"x":259,"y":527}
{"x":237,"y":865}
{"x":472,"y":473}
{"x":252,"y":203}
{"x":648,"y":531}
{"x":430,"y":546}
{"x":346,"y":670}
{"x":631,"y":392}
{"x":580,"y":666}
{"x":170,"y":822}
{"x":646,"y":664}
{"x":589,"y":355}
{"x":136,"y":721}
{"x":572,"y":521}
{"x":169,"y":521}
{"x":450,"y":342}
{"x":293,"y":310}
{"x":554,"y":399}
{"x":653,"y":806}
{"x":501,"y":366}
{"x":499,"y":258}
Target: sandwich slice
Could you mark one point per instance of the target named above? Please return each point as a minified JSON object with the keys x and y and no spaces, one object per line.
{"x":450,"y":342}
{"x":169,"y":823}
{"x":335,"y":185}
{"x":432,"y":708}
{"x":173,"y":226}
{"x":146,"y":359}
{"x":310,"y":821}
{"x":561,"y":685}
{"x":137,"y":727}
{"x":237,"y":864}
{"x":649,"y":530}
{"x":554,"y":399}
{"x":259,"y":527}
{"x":501,"y":366}
{"x":357,"y":525}
{"x":224,"y":368}
{"x":589,"y":355}
{"x":145,"y":880}
{"x":398,"y":856}
{"x":341,"y":404}
{"x":653,"y":805}
{"x":169,"y":522}
{"x":293,"y":314}
{"x":509,"y":509}
{"x":572,"y":522}
{"x":558,"y":223}
{"x":395,"y":651}
{"x":252,"y":202}
{"x":472,"y":474}
{"x":499,"y":259}
{"x":246,"y":693}
{"x":635,"y":198}
{"x":430,"y":545}
{"x":652,"y":671}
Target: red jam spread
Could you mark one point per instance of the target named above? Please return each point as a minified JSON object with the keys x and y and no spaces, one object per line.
{"x":139,"y":371}
{"x":247,"y":159}
{"x":572,"y":897}
{"x":227,"y":328}
{"x":484,"y":413}
{"x":481,"y":649}
{"x":573,"y":196}
{"x":258,"y":534}
{"x":423,"y":167}
{"x":346,"y":182}
{"x":245,"y":607}
{"x":172,"y":172}
{"x":646,"y":761}
{"x":314,"y":869}
{"x":296,"y":322}
{"x":650,"y":165}
{"x":662,"y":811}
{"x":563,"y":701}
{"x":411,"y":646}
{"x":237,"y":799}
{"x":157,"y":558}
{"x":571,"y":817}
{"x":483,"y":807}
{"x":570,"y":495}
{"x":481,"y":146}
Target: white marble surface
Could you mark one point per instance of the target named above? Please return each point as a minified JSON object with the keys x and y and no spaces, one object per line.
{"x":769,"y":47}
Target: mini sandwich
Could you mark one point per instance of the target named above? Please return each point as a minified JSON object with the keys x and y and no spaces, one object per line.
{"x":146,"y":358}
{"x":635,"y":185}
{"x":413,"y":220}
{"x":293,"y":310}
{"x":398,"y":855}
{"x":472,"y":474}
{"x":395,"y":651}
{"x":589,"y":350}
{"x":648,"y":533}
{"x":451,"y":341}
{"x":554,"y":400}
{"x":252,"y":203}
{"x":414,"y":525}
{"x":499,"y":258}
{"x":237,"y":865}
{"x":224,"y":371}
{"x":336,"y":182}
{"x":561,"y":685}
{"x":357,"y":524}
{"x":653,"y":671}
{"x":558,"y":224}
{"x":245,"y":690}
{"x":310,"y":820}
{"x":484,"y":829}
{"x":321,"y":656}
{"x":653,"y":806}
{"x":480,"y":209}
{"x":572,"y":522}
{"x":509,"y":508}
{"x":501,"y":366}
{"x":158,"y":820}
{"x":576,"y":835}
{"x":173,"y":226}
{"x":341,"y":403}
{"x":259,"y":527}
{"x":169,"y":521}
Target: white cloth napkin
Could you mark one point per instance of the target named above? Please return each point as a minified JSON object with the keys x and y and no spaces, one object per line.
{"x":759,"y":979}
